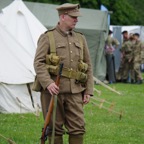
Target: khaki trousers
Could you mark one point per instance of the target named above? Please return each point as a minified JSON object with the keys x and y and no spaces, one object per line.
{"x":119,"y":74}
{"x":127,"y":69}
{"x":137,"y":71}
{"x":69,"y":113}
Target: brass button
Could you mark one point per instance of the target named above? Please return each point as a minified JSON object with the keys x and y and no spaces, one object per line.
{"x":71,"y":60}
{"x":69,"y":42}
{"x":71,"y":52}
{"x":71,"y":69}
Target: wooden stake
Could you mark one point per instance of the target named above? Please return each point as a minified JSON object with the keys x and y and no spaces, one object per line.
{"x":106,"y":86}
{"x":104,"y":101}
{"x":110,"y":110}
{"x":7,"y":139}
{"x":100,"y":100}
{"x":99,"y":92}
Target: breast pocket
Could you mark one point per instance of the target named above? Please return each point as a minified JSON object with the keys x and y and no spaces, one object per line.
{"x":61,"y":50}
{"x":78,"y":50}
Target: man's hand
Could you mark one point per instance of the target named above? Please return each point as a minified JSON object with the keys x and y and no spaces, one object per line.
{"x":129,"y":60}
{"x":86,"y":99}
{"x":53,"y":89}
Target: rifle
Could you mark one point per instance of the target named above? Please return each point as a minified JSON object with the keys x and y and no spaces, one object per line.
{"x":50,"y":109}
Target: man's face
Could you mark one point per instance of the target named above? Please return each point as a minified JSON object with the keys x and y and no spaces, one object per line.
{"x":69,"y":21}
{"x":136,"y":37}
{"x":125,"y":36}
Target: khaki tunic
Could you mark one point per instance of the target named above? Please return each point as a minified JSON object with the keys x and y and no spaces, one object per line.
{"x":111,"y":44}
{"x":121,"y":70}
{"x":127,"y":48}
{"x":137,"y":59}
{"x":142,"y":53}
{"x":68,"y":48}
{"x":137,"y":52}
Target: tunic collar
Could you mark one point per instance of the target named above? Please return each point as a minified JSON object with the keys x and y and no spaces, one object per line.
{"x":62,"y":32}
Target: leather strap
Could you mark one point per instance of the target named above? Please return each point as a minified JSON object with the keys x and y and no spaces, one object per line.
{"x":52,"y":42}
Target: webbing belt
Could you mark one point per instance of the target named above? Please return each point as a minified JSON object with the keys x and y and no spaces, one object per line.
{"x":66,"y":72}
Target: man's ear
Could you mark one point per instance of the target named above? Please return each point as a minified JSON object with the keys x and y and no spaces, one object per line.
{"x":62,"y":17}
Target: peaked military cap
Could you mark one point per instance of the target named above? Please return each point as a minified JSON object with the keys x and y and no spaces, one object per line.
{"x":70,"y":9}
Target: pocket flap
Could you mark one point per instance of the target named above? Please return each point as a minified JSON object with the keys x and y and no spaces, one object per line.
{"x":77,"y":45}
{"x":60,"y":45}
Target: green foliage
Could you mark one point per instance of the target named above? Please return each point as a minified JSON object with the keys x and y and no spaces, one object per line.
{"x":102,"y":126}
{"x":138,"y":6}
{"x":124,"y":12}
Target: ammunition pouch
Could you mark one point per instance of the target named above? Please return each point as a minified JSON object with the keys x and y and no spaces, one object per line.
{"x":36,"y":85}
{"x":72,"y":74}
{"x":68,"y":73}
{"x":82,"y":67}
{"x":52,"y":69}
{"x":52,"y":60}
{"x":82,"y":77}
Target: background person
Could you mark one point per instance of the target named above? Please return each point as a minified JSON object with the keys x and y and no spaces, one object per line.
{"x":128,"y":48}
{"x":137,"y":58}
{"x":111,"y":44}
{"x":120,"y":72}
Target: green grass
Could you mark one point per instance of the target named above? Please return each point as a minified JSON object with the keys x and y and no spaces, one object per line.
{"x":102,"y":126}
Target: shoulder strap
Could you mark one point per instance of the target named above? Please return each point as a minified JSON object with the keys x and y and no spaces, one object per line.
{"x":52,"y":42}
{"x":79,"y":36}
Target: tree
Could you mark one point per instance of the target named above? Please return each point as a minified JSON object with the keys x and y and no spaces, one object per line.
{"x":138,"y":6}
{"x":123,"y":11}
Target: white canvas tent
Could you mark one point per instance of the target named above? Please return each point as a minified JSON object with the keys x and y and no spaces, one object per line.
{"x":19,"y":32}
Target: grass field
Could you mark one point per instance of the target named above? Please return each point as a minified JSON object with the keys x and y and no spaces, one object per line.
{"x":102,"y":126}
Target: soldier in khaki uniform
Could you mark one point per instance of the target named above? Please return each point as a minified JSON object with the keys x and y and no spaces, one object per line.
{"x":137,"y":58}
{"x":127,"y":49}
{"x":72,"y":49}
{"x":120,"y":72}
{"x":142,"y":56}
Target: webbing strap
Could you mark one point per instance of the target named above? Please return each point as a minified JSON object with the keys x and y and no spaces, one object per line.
{"x":81,"y":44}
{"x":52,"y":43}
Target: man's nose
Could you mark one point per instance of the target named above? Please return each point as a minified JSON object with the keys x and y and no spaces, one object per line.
{"x":76,"y":19}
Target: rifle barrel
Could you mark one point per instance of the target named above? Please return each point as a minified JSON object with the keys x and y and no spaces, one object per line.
{"x":50,"y":109}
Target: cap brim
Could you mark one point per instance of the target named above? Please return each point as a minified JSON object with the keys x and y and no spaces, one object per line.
{"x":75,"y":14}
